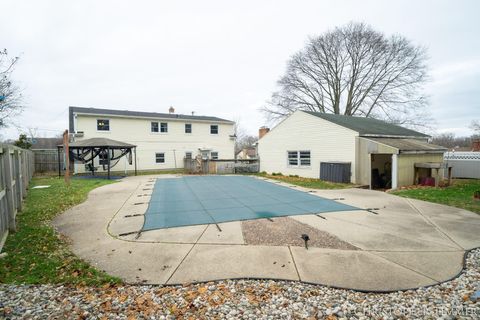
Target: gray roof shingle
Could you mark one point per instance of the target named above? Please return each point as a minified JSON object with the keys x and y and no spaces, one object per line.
{"x":127,"y":113}
{"x":407,"y":145}
{"x":368,"y":126}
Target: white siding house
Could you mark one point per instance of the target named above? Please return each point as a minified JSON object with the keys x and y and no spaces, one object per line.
{"x":359,"y":150}
{"x":303,"y":132}
{"x":163,"y":140}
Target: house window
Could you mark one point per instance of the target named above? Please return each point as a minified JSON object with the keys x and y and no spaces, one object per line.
{"x":160,"y":157}
{"x":103,"y":125}
{"x":188,"y":128}
{"x":214,"y":155}
{"x":304,"y":158}
{"x":154,"y":126}
{"x":292,"y":158}
{"x":164,"y":127}
{"x":188,"y":155}
{"x":214,"y":129}
{"x":298,"y":158}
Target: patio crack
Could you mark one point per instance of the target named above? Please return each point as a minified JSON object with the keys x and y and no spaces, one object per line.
{"x":294,"y":264}
{"x":433,"y":223}
{"x":404,"y":266}
{"x":185,"y":257}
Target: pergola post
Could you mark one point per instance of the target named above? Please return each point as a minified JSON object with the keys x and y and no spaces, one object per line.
{"x":135,"y":152}
{"x":108,"y":162}
{"x":59,"y":163}
{"x":92,"y":150}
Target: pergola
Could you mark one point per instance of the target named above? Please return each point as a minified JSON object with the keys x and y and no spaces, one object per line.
{"x":110,"y":151}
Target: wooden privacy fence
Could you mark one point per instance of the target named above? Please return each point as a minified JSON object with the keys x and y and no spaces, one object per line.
{"x":16,"y":171}
{"x":46,"y":160}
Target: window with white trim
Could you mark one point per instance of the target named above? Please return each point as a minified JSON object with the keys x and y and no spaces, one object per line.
{"x":214,"y":129}
{"x":188,"y":128}
{"x":154,"y":126}
{"x":214,"y":155}
{"x":103,"y":125}
{"x":293,"y":158}
{"x":298,"y":158}
{"x":164,"y":127}
{"x":160,"y":157}
{"x":304,"y":158}
{"x":188,"y":155}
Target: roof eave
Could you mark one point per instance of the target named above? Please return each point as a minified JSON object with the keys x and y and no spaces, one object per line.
{"x":422,"y":151}
{"x":370,"y":135}
{"x":84,"y":111}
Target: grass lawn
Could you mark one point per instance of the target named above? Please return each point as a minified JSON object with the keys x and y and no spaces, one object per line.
{"x":459,"y":194}
{"x":36,"y":253}
{"x":307,"y":182}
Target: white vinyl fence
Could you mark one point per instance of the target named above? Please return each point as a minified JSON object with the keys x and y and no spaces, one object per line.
{"x":464,"y":164}
{"x":16,"y":170}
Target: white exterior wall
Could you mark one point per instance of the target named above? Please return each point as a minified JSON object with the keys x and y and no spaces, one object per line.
{"x":174,"y":143}
{"x":326,"y":141}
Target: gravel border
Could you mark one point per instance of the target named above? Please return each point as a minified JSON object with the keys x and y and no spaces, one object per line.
{"x":244,"y":299}
{"x":285,"y":231}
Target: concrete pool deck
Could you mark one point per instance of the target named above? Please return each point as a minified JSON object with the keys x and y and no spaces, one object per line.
{"x":407,"y":244}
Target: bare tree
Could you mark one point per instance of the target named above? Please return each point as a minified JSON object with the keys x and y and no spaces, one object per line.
{"x":10,"y":95}
{"x":247,"y":141}
{"x":449,"y":140}
{"x":243,"y":139}
{"x":355,"y":70}
{"x":475,"y":126}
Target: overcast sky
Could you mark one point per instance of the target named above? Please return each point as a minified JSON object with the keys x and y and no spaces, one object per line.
{"x":219,"y":58}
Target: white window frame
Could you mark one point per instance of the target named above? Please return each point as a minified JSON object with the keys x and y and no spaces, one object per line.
{"x":191,"y":154}
{"x":309,"y":158}
{"x":218,"y":129}
{"x":103,"y":119}
{"x":191,"y":128}
{"x":299,"y":159}
{"x":216,"y":155}
{"x":157,"y":155}
{"x":160,"y":127}
{"x":288,"y":158}
{"x":151,"y":127}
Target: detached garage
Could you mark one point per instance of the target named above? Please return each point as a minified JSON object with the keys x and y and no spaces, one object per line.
{"x":342,"y":148}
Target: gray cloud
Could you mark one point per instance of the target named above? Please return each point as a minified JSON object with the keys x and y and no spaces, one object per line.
{"x":214,"y":57}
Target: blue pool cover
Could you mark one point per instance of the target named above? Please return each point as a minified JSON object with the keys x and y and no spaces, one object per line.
{"x":197,"y":200}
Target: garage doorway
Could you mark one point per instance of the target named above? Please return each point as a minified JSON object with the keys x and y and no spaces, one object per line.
{"x":381,"y":174}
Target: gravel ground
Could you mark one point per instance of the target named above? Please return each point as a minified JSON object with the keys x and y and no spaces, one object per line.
{"x":286,"y":231}
{"x":244,"y":299}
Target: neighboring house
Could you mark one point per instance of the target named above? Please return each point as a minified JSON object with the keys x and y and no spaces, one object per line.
{"x":334,"y":147}
{"x":247,"y":153}
{"x":163,"y":140}
{"x":46,"y":143}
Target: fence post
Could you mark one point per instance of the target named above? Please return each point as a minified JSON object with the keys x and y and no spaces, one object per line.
{"x":9,"y":196}
{"x":18,"y":179}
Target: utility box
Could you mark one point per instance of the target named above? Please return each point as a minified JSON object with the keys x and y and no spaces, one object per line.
{"x":336,"y":171}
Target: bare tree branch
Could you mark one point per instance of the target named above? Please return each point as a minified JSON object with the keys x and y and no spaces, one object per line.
{"x":355,"y":70}
{"x":10,"y":95}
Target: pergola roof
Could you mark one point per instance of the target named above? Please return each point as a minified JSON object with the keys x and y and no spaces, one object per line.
{"x":100,"y":143}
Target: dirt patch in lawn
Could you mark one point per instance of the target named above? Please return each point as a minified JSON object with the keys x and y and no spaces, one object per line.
{"x":287,"y":232}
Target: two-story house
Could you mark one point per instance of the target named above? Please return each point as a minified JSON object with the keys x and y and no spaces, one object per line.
{"x":163,"y":140}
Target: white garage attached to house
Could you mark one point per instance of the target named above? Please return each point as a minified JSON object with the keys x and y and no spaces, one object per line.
{"x":342,"y":148}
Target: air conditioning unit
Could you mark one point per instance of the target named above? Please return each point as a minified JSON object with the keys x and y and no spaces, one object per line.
{"x":79,"y":134}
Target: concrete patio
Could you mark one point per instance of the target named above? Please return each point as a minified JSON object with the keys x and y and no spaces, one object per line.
{"x":403,"y":244}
